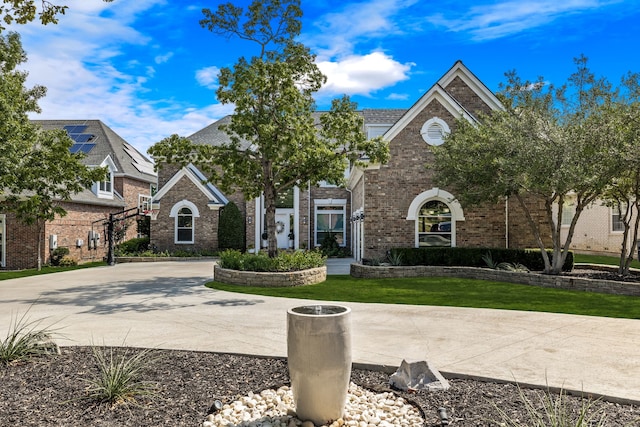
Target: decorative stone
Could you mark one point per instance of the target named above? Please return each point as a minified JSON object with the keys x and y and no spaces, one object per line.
{"x":381,"y":410}
{"x":418,"y":376}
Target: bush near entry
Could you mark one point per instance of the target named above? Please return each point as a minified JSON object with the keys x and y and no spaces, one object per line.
{"x":472,"y":257}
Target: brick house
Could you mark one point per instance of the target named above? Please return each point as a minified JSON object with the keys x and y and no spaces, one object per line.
{"x":383,"y":206}
{"x":129,"y":183}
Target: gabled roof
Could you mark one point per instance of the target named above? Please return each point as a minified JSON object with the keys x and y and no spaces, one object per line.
{"x":100,"y":142}
{"x":215,"y":196}
{"x":439,"y":93}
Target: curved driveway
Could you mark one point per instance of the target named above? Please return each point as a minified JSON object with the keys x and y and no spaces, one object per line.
{"x":165,"y":305}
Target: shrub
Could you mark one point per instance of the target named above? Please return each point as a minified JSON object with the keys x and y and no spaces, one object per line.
{"x":285,"y":261}
{"x":120,"y":375}
{"x":67,"y":261}
{"x":475,"y":257}
{"x":133,"y":246}
{"x":554,"y":411}
{"x":231,"y":228}
{"x":57,"y":254}
{"x":25,"y":339}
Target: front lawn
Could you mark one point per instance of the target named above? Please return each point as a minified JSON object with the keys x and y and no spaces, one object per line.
{"x":454,"y":292}
{"x":598,"y":259}
{"x":4,"y":275}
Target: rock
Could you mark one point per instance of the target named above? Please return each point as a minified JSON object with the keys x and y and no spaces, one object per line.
{"x":418,"y":376}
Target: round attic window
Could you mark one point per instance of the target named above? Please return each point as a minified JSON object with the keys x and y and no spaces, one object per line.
{"x":434,"y":131}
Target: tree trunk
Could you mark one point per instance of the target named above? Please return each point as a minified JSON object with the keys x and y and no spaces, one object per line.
{"x":634,"y":240}
{"x":270,"y":220}
{"x":536,"y":233}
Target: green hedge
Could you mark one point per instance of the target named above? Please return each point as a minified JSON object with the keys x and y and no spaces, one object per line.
{"x":472,"y":257}
{"x":285,"y":261}
{"x":133,"y":246}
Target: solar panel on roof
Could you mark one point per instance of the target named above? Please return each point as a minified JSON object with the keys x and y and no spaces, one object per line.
{"x":81,"y":137}
{"x":85,"y":148}
{"x":82,"y":148}
{"x":75,"y":128}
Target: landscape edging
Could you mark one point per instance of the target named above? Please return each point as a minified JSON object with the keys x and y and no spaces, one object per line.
{"x":533,"y":279}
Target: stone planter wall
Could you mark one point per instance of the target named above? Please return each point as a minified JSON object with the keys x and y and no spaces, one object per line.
{"x":269,"y":280}
{"x":123,"y":259}
{"x":533,"y":279}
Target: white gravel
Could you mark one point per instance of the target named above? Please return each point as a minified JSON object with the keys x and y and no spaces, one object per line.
{"x":275,"y":408}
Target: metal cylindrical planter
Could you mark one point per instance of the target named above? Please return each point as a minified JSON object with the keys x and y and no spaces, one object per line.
{"x":319,"y":358}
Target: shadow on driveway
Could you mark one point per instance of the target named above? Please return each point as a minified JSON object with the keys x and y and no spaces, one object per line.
{"x":153,"y":294}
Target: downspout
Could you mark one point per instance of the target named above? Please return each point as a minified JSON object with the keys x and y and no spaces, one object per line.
{"x":506,"y":222}
{"x":308,"y":215}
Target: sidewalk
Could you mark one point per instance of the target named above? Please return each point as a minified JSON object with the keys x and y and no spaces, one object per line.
{"x":164,"y":305}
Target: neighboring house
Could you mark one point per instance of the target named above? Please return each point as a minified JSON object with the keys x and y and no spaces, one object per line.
{"x":384,"y":206}
{"x":128,"y":186}
{"x":599,"y":229}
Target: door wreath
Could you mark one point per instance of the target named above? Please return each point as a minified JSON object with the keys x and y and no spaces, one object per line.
{"x":279,"y":227}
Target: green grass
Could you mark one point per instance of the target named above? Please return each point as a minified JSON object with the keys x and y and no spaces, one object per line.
{"x":606,"y":260}
{"x":5,"y":275}
{"x":455,"y":292}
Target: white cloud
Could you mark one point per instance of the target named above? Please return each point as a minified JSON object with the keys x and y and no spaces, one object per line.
{"x":340,"y":30}
{"x":492,"y":21}
{"x":208,"y":77}
{"x":397,"y":97}
{"x":161,"y":59}
{"x":362,"y":75}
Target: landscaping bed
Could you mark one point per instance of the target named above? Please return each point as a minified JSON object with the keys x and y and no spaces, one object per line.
{"x":51,"y":391}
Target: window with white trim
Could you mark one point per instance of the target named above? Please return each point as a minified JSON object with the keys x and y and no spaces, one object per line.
{"x":568,"y":212}
{"x":184,"y":226}
{"x":330,"y":221}
{"x":3,"y":240}
{"x":434,"y":224}
{"x":617,"y":220}
{"x":106,"y":186}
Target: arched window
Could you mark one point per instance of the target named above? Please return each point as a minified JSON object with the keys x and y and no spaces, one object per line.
{"x":435,"y":213}
{"x":434,"y":224}
{"x":184,"y":226}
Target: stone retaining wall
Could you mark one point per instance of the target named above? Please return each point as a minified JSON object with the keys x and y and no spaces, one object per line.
{"x":533,"y":279}
{"x":270,"y":280}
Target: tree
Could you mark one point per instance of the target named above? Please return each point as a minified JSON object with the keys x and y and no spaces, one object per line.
{"x":276,"y":141}
{"x":37,"y":170}
{"x":231,"y":228}
{"x":549,"y":144}
{"x":23,"y":11}
{"x":623,"y":194}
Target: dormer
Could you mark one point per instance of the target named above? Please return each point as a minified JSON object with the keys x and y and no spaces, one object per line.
{"x":104,"y":189}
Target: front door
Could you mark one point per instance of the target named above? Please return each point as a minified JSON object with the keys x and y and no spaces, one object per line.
{"x":283,"y":227}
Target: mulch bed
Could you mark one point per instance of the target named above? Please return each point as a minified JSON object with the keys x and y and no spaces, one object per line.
{"x":51,"y":391}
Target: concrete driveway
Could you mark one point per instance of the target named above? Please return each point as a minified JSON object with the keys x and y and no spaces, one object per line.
{"x":165,"y":305}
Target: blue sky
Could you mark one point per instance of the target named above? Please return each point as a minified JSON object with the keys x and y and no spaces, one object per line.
{"x":147,"y":69}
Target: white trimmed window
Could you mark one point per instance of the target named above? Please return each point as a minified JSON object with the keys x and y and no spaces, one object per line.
{"x":184,"y":226}
{"x":617,"y":223}
{"x":106,"y":186}
{"x":568,"y":212}
{"x":434,"y":131}
{"x":104,"y":189}
{"x":3,"y":240}
{"x":329,"y":220}
{"x":434,"y":224}
{"x":184,"y":214}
